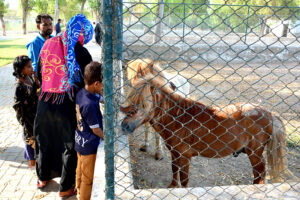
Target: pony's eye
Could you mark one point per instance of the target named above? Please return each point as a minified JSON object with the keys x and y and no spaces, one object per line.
{"x":131,"y":113}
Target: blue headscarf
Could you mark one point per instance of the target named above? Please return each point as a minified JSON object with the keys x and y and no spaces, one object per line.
{"x":79,"y":29}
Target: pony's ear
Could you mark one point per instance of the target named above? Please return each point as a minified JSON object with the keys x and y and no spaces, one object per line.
{"x":173,"y":86}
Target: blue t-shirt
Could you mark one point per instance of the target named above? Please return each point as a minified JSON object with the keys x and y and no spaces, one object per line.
{"x":88,"y":117}
{"x":34,"y":47}
{"x":57,"y":28}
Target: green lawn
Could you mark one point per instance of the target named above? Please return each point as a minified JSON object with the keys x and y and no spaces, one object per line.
{"x":9,"y":49}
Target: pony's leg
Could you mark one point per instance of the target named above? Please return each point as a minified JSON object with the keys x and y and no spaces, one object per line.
{"x":255,"y":154}
{"x":175,"y":169}
{"x":184,"y":164}
{"x":158,"y":154}
{"x":146,"y":144}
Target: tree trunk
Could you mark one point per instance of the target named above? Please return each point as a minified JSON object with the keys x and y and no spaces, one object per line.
{"x":98,"y":12}
{"x":25,"y":12}
{"x":160,"y":15}
{"x":24,"y":21}
{"x":82,"y":6}
{"x":56,"y":15}
{"x":264,"y":25}
{"x":3,"y":25}
{"x":285,"y":29}
{"x":131,"y":12}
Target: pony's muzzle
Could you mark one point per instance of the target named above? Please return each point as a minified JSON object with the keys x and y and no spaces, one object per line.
{"x":128,"y":127}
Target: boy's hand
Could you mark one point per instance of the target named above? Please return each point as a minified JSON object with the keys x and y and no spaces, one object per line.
{"x":98,"y":132}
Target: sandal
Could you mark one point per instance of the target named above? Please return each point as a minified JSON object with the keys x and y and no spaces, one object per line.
{"x":68,"y":193}
{"x":41,"y":184}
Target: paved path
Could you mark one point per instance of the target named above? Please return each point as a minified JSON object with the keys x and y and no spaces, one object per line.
{"x":16,"y":180}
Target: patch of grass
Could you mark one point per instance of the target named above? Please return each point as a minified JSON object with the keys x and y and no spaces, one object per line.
{"x":9,"y":49}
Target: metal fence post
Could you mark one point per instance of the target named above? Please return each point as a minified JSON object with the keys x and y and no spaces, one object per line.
{"x":107,"y":48}
{"x":247,"y":25}
{"x":183,"y":21}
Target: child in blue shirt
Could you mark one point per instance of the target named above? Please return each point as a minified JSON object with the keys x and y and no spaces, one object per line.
{"x":89,"y":129}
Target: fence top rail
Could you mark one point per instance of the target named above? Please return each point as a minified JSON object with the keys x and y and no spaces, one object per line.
{"x":246,"y":5}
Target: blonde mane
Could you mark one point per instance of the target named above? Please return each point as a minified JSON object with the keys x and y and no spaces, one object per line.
{"x":141,"y":95}
{"x":140,"y":68}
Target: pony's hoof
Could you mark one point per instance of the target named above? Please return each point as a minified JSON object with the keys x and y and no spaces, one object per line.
{"x":144,"y":148}
{"x":172,"y":185}
{"x":158,"y":156}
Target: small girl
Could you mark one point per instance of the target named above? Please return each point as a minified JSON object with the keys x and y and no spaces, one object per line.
{"x":25,"y":103}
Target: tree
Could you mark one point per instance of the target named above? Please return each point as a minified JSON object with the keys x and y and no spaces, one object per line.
{"x":3,"y":10}
{"x":259,"y":10}
{"x":160,"y":15}
{"x":185,"y":10}
{"x":56,"y":14}
{"x":95,"y":6}
{"x":27,"y":6}
{"x":82,"y":6}
{"x":41,"y":6}
{"x":69,"y":8}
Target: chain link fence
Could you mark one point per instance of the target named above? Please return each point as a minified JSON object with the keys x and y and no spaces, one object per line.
{"x":215,"y":88}
{"x":14,"y":25}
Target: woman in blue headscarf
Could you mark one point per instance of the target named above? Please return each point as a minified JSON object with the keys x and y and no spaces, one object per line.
{"x":62,"y":63}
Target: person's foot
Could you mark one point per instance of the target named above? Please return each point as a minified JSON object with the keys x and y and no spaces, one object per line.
{"x":68,"y":193}
{"x":41,"y":184}
{"x":31,"y":163}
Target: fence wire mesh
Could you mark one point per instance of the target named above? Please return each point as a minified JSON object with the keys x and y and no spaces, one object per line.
{"x":211,"y":95}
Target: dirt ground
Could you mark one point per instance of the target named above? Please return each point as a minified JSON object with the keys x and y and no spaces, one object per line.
{"x":274,"y":86}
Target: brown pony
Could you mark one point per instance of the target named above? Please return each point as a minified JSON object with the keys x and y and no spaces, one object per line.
{"x":139,"y":68}
{"x":189,"y":128}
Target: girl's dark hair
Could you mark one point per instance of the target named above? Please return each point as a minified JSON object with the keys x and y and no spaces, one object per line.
{"x":92,"y":73}
{"x":19,"y":64}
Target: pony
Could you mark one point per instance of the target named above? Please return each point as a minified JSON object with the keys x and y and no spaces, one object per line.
{"x":190,"y":128}
{"x":140,"y":68}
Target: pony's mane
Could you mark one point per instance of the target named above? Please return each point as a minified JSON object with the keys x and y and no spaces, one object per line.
{"x":141,"y":94}
{"x":140,"y":68}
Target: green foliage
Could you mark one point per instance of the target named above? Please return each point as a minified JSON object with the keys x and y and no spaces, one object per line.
{"x":41,"y":6}
{"x":28,"y":4}
{"x":94,"y":4}
{"x":236,"y":14}
{"x":71,"y":7}
{"x":3,"y":7}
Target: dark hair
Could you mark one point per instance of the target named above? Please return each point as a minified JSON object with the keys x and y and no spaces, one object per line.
{"x":59,"y":20}
{"x":39,"y":18}
{"x":92,"y":73}
{"x":19,"y":64}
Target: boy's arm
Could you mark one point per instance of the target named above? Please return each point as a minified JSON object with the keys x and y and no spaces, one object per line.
{"x":98,"y":132}
{"x":91,"y":114}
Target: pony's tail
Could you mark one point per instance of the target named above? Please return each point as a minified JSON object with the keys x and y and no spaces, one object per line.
{"x":276,"y":152}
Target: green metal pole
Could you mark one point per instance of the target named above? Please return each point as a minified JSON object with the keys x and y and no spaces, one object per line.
{"x":118,"y":29}
{"x":183,"y":20}
{"x":247,"y":25}
{"x":107,"y":70}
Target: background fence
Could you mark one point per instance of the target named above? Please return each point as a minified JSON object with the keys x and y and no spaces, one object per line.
{"x":226,"y":56}
{"x":14,"y":24}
